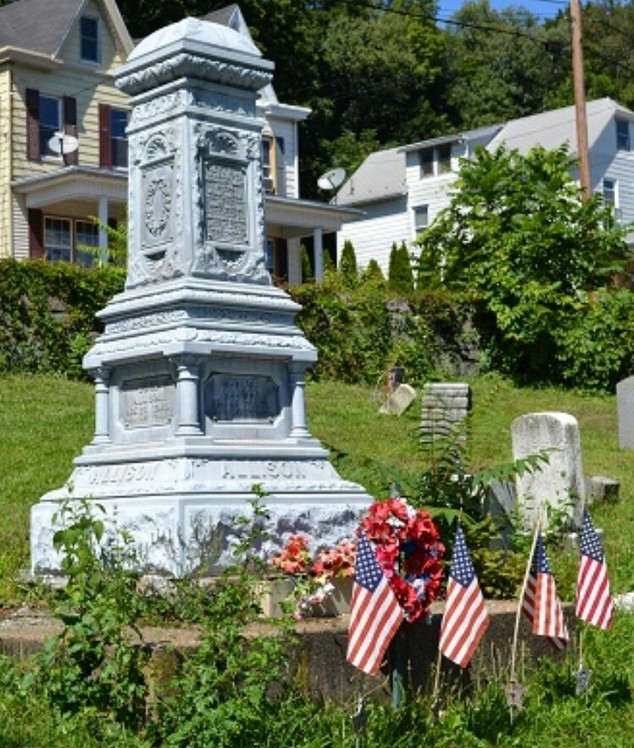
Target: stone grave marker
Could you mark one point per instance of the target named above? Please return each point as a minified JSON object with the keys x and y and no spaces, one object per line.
{"x":398,"y":400}
{"x":200,"y":371}
{"x":445,"y":407}
{"x":625,"y":412}
{"x":560,"y":483}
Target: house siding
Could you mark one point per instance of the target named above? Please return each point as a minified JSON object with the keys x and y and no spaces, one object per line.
{"x":5,"y":161}
{"x":287,"y":173}
{"x":110,"y":57}
{"x":372,"y":236}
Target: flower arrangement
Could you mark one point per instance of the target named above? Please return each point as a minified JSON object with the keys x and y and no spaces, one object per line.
{"x":313,"y":576}
{"x":408,"y":549}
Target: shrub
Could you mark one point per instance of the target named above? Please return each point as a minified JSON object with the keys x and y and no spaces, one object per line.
{"x":48,"y":314}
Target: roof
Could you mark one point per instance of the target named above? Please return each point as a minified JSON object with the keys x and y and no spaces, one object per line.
{"x":42,"y":25}
{"x":481,"y":133}
{"x":557,"y":127}
{"x":380,"y":177}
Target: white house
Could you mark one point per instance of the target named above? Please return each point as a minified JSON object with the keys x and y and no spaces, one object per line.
{"x":401,"y":190}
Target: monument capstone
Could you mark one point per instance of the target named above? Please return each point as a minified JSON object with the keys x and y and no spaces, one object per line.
{"x":200,"y":371}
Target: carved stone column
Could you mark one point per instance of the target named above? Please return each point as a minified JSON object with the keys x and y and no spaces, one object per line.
{"x":298,"y":402}
{"x":102,"y":407}
{"x":187,"y":388}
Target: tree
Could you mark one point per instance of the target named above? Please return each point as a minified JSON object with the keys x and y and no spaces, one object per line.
{"x":500,"y":65}
{"x":517,"y":234}
{"x":400,"y":276}
{"x":373,"y":273}
{"x":348,"y":264}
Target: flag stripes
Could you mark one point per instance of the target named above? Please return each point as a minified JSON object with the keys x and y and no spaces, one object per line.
{"x":465,"y":618}
{"x":375,"y":615}
{"x":540,"y":603}
{"x":594,"y":603}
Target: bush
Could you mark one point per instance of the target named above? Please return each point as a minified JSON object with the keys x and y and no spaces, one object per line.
{"x":48,"y":314}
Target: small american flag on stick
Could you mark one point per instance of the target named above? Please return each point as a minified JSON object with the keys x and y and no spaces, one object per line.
{"x":540,"y":603}
{"x":375,"y":615}
{"x":465,"y":618}
{"x":594,"y":602}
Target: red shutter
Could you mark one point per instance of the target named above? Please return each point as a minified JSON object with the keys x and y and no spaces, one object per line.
{"x":36,"y":234}
{"x":70,"y":127}
{"x":32,"y":124}
{"x":105,"y":152}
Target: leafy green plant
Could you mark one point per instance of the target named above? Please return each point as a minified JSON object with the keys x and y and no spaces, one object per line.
{"x":93,"y":664}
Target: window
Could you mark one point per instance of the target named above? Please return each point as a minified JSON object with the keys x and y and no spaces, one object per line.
{"x":444,"y":158}
{"x":89,"y":30}
{"x":427,"y":162}
{"x":118,"y":137}
{"x":435,"y":161}
{"x":50,"y":122}
{"x":113,"y":140}
{"x":57,"y":239}
{"x":622,"y":135}
{"x":267,"y":171}
{"x":609,"y":192}
{"x":86,"y":235}
{"x":65,"y":240}
{"x":421,"y":219}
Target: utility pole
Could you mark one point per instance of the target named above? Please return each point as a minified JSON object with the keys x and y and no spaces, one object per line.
{"x":580,"y":99}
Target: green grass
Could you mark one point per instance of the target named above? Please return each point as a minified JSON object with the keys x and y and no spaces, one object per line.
{"x":46,"y":422}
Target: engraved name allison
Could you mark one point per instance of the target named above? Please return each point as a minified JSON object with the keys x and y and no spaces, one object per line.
{"x":223,"y":469}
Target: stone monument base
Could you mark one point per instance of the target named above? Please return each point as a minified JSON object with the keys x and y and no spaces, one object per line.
{"x":182,"y":514}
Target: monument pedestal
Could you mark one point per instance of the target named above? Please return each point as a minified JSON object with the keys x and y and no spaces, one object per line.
{"x":200,"y":372}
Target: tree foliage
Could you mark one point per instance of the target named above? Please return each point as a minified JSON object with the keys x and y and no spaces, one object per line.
{"x":518,"y":235}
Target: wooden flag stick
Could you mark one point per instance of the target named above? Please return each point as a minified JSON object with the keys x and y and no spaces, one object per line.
{"x":523,"y":590}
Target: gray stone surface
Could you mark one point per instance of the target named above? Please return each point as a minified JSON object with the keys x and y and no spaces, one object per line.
{"x":625,"y":412}
{"x":599,"y":488}
{"x":399,"y":400}
{"x":559,"y":486}
{"x":445,"y":407}
{"x":200,"y":372}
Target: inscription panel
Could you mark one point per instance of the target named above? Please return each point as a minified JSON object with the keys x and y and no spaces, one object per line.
{"x":225,"y":203}
{"x":242,"y":398}
{"x":147,"y":402}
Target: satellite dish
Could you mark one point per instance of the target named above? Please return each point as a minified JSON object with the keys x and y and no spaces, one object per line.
{"x":62,"y":144}
{"x":331,"y":179}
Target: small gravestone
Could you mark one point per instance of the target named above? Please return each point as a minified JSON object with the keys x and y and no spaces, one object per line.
{"x":559,"y":484}
{"x":399,"y":400}
{"x":445,"y":407}
{"x":625,"y":412}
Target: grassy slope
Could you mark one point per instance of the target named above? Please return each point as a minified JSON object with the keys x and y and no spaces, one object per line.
{"x":46,"y":422}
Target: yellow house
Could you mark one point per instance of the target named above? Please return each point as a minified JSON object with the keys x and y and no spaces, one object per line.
{"x":63,"y":148}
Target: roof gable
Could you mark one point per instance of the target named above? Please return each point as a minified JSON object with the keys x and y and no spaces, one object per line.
{"x":30,"y":24}
{"x":557,"y":127}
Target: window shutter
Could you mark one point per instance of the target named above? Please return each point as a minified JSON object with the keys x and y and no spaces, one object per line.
{"x":70,"y":127}
{"x":36,"y":234}
{"x":105,"y":152}
{"x":32,"y":124}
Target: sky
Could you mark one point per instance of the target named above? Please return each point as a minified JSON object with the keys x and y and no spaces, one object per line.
{"x":542,"y":9}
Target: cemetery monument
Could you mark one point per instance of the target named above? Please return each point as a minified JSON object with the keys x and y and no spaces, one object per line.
{"x":200,"y":371}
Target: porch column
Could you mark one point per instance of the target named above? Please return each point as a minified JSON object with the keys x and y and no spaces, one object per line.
{"x":318,"y":254}
{"x":103,"y":234}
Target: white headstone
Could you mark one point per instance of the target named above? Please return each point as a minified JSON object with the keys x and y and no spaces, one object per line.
{"x":559,"y":485}
{"x":399,"y":400}
{"x":625,"y":412}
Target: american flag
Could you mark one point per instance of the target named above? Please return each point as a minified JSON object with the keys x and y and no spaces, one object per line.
{"x":594,"y":603}
{"x":465,"y":618}
{"x":540,"y":603}
{"x":375,"y":614}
